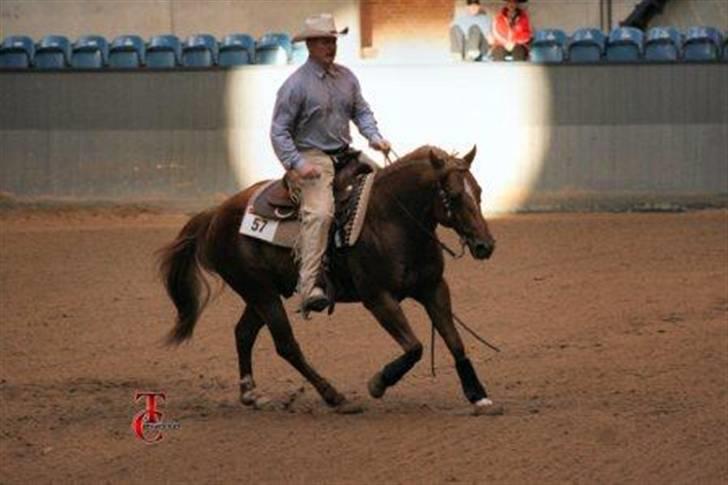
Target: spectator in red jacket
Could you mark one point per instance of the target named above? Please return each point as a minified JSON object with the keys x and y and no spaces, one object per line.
{"x":511,"y":32}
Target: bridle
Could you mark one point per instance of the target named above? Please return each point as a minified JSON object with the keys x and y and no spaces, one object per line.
{"x":446,"y":200}
{"x":447,"y":203}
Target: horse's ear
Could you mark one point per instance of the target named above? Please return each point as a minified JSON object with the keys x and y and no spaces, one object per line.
{"x":470,"y":156}
{"x":437,"y":163}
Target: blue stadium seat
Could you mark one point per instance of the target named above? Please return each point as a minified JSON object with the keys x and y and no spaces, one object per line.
{"x":90,"y":52}
{"x":663,"y":44}
{"x":586,"y":45}
{"x":299,"y":53}
{"x":237,"y":50}
{"x":273,"y":48}
{"x":199,"y":50}
{"x":126,"y":52}
{"x":52,"y":52}
{"x":16,"y":52}
{"x":163,"y":51}
{"x":702,"y":44}
{"x":625,"y":44}
{"x":548,"y":46}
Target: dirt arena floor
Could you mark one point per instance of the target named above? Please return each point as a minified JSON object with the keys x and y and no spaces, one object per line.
{"x":614,"y":369}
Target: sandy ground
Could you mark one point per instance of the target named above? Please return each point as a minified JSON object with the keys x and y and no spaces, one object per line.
{"x":614,"y":364}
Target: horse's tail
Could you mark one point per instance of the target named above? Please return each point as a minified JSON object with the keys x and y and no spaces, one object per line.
{"x":180,"y":264}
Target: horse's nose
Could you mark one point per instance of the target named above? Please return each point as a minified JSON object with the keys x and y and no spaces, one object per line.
{"x":483,"y":249}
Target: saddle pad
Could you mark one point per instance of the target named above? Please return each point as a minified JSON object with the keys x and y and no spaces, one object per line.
{"x":284,"y":233}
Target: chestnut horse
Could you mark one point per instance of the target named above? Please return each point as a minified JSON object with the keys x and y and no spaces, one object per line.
{"x":397,"y":256}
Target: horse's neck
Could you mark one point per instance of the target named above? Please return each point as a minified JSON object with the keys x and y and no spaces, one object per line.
{"x":410,"y":187}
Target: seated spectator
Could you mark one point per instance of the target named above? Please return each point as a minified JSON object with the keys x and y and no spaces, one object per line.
{"x":511,"y":32}
{"x":469,"y":33}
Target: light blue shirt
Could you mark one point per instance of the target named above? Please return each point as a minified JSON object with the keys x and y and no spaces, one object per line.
{"x":313,"y":110}
{"x":481,"y":20}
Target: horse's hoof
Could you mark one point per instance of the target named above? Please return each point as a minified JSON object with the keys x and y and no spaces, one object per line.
{"x":265,"y":404}
{"x":376,"y":386}
{"x":247,"y":398}
{"x":348,"y":407}
{"x":486,"y":407}
{"x":255,"y":400}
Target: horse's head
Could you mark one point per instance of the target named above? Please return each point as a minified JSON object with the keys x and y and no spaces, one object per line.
{"x":458,"y":202}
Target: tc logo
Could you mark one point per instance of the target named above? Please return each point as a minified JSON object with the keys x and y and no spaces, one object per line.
{"x":147,"y":424}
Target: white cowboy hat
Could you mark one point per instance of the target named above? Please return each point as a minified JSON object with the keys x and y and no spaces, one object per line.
{"x":321,"y":25}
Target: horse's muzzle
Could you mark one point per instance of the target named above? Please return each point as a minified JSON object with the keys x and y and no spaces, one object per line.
{"x":481,"y":249}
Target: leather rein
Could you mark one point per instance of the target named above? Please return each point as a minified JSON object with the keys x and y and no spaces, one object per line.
{"x":420,"y":226}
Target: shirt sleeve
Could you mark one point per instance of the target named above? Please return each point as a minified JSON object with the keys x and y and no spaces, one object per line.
{"x":362,"y":115}
{"x":501,"y":30}
{"x":288,"y":103}
{"x":523,"y":29}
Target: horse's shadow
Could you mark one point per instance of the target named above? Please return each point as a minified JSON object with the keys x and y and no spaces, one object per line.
{"x":303,"y":401}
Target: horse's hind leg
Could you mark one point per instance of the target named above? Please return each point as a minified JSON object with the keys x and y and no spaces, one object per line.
{"x":271,"y":310}
{"x":438,"y":306}
{"x":389,"y":314}
{"x":246,"y":331}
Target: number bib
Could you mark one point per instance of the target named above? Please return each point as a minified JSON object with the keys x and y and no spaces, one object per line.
{"x":258,"y":227}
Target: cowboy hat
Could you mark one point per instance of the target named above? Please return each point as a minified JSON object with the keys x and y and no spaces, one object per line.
{"x":317,"y":26}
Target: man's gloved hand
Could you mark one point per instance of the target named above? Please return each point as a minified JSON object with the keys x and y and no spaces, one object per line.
{"x":306,"y":171}
{"x":382,"y":145}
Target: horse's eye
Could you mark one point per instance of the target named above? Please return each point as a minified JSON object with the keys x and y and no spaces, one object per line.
{"x":456,"y":197}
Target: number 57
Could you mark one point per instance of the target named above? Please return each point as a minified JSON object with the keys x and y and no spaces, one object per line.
{"x":258,"y":224}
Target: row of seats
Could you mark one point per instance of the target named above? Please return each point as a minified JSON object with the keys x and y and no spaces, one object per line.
{"x":162,"y":51}
{"x":623,"y":44}
{"x":628,"y":44}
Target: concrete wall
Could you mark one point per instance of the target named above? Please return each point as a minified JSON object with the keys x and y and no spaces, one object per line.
{"x":623,"y":130}
{"x":594,"y":131}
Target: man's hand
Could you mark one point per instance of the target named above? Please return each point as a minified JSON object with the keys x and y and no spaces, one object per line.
{"x":381,"y":145}
{"x":307,"y":171}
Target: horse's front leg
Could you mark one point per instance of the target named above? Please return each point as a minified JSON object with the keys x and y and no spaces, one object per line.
{"x":437,"y":304}
{"x":389,"y":314}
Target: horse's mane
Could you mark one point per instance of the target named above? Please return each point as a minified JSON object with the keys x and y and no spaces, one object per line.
{"x":415,"y":157}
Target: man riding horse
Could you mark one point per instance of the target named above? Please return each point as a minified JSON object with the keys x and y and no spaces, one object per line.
{"x":397,"y":255}
{"x":310,"y":132}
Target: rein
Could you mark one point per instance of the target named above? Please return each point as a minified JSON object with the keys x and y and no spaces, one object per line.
{"x":420,"y":226}
{"x":431,"y":235}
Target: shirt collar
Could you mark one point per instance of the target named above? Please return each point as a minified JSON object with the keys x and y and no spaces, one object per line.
{"x":319,"y":71}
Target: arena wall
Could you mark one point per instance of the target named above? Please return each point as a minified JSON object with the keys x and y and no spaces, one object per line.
{"x":606,"y":131}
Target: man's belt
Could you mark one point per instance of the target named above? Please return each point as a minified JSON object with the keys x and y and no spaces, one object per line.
{"x":342,"y":156}
{"x":337,"y":151}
